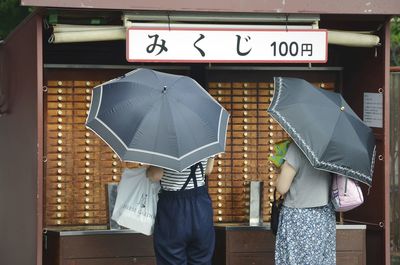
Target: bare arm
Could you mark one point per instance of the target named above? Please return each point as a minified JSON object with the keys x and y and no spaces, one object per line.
{"x":210,"y":165}
{"x":285,"y":178}
{"x":154,"y":173}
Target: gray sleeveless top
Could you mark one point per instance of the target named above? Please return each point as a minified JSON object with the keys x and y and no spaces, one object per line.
{"x":310,"y":186}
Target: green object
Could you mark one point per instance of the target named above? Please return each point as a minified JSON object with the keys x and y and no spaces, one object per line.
{"x":53,"y":19}
{"x":280,"y":150}
{"x":11,"y":14}
{"x":95,"y":21}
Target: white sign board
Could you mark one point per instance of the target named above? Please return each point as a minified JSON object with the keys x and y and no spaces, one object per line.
{"x":373,"y":109}
{"x":232,"y":45}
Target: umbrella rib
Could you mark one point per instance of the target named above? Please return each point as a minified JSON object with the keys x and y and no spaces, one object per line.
{"x":352,"y":125}
{"x":124,"y":101}
{"x":141,"y":121}
{"x":170,"y":85}
{"x":174,"y":121}
{"x":288,"y":106}
{"x":156,"y":77}
{"x":178,"y":79}
{"x":116,"y":106}
{"x":201,"y":118}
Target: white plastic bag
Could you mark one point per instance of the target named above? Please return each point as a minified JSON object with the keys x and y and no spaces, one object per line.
{"x":136,"y":203}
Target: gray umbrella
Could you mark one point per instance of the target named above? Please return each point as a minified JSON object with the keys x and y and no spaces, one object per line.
{"x":325,"y":128}
{"x":158,"y":118}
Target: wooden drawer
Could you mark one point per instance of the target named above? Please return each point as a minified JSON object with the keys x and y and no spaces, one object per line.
{"x":245,"y":113}
{"x":60,"y":98}
{"x":244,"y":99}
{"x":265,"y":99}
{"x":266,"y":92}
{"x":349,"y":258}
{"x":243,"y":120}
{"x":270,"y":135}
{"x":242,"y":163}
{"x":240,"y":148}
{"x":266,"y":85}
{"x":218,"y":162}
{"x":245,"y":245}
{"x":244,"y":92}
{"x":244,"y":106}
{"x":82,"y":91}
{"x":245,"y":141}
{"x":246,"y":134}
{"x":219,"y":85}
{"x":252,"y":259}
{"x":86,"y":84}
{"x":350,"y":240}
{"x":222,"y":99}
{"x":251,"y":241}
{"x":66,"y":120}
{"x":263,"y":106}
{"x":220,"y":92}
{"x":97,"y":248}
{"x":244,"y":170}
{"x":62,"y":113}
{"x":68,"y":105}
{"x":107,"y":246}
{"x":217,"y":184}
{"x":218,"y":191}
{"x":243,"y":155}
{"x":59,"y":90}
{"x":113,"y":261}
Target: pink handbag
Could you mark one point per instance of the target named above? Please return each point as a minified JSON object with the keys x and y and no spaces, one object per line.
{"x":346,"y":194}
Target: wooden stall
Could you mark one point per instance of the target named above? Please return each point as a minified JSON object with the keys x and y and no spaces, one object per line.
{"x":55,"y":171}
{"x":79,"y":164}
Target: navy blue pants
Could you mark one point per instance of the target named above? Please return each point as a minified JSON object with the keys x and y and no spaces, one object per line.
{"x":184,"y":230}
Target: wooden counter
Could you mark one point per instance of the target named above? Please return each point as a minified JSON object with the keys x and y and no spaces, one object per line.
{"x":236,"y":244}
{"x":240,"y":244}
{"x":101,"y":247}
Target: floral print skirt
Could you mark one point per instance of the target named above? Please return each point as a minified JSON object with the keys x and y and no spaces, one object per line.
{"x":306,"y":236}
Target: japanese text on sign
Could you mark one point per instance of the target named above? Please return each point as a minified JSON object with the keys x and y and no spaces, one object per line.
{"x":373,"y":109}
{"x":226,"y":45}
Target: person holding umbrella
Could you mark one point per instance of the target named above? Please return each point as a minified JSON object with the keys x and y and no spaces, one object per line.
{"x":171,"y":123}
{"x":327,"y":137}
{"x":307,"y":222}
{"x":184,"y":228}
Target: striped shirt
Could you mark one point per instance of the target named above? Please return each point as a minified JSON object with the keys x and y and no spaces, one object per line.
{"x":174,"y":180}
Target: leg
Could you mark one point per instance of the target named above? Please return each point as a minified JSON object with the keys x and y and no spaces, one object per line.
{"x":200,"y":249}
{"x":169,"y":233}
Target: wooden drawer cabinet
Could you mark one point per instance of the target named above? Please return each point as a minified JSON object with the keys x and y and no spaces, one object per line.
{"x":119,"y":247}
{"x":239,"y":244}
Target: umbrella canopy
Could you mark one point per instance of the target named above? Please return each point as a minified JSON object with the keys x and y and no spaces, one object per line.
{"x":325,"y":128}
{"x":157,"y":118}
